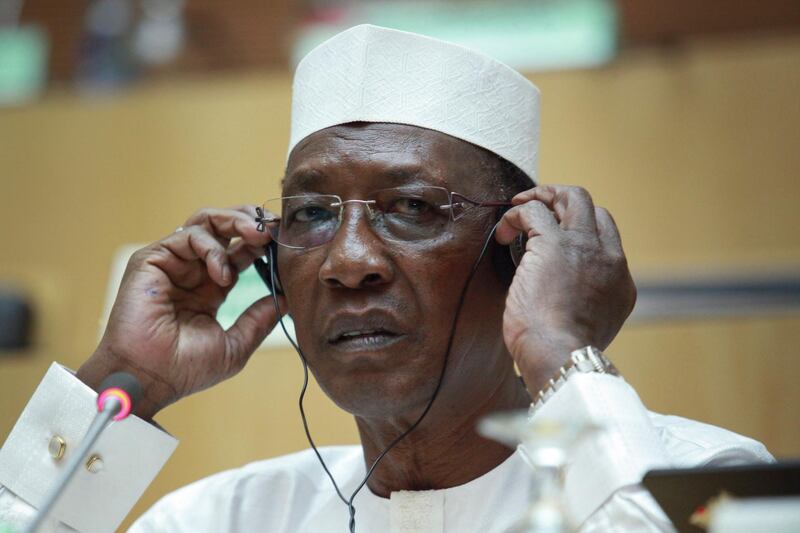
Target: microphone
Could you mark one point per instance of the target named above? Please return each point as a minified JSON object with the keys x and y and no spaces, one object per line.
{"x":119,"y":393}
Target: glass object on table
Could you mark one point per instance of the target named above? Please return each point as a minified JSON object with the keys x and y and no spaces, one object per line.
{"x":547,"y":445}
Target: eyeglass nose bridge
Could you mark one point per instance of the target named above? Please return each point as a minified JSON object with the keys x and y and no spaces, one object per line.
{"x":366,"y":203}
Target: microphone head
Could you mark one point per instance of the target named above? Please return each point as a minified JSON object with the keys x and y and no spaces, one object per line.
{"x":125,"y":388}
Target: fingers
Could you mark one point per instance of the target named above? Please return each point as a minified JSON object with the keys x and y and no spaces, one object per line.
{"x":251,"y":328}
{"x":221,"y":241}
{"x":195,"y":243}
{"x":532,"y":218}
{"x":241,"y":255}
{"x":548,"y":208}
{"x":607,"y":230}
{"x":229,"y":223}
{"x":573,"y":206}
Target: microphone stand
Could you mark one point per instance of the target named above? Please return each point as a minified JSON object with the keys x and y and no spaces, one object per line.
{"x":111,"y":407}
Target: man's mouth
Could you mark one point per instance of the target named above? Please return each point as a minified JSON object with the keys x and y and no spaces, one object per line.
{"x":370,"y":330}
{"x":365,"y":339}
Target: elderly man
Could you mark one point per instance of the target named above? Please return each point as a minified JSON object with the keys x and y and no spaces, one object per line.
{"x":397,"y":248}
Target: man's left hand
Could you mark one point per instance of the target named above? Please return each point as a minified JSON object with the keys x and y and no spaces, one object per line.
{"x":572,"y":287}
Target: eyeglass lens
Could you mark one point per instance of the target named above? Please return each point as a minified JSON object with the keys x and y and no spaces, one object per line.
{"x":402,"y":214}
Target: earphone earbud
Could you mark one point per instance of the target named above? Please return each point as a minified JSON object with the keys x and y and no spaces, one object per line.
{"x":267,"y":268}
{"x":506,"y":259}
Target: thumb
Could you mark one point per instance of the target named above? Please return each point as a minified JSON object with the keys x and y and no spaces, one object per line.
{"x":251,"y":328}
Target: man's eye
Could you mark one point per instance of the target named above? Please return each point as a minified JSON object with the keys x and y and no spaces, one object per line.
{"x":311,"y":214}
{"x":411,"y":207}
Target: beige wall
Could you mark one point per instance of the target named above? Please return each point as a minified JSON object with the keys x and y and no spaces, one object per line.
{"x":695,"y":152}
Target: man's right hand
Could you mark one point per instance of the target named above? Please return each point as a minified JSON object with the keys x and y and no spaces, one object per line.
{"x":163,"y":326}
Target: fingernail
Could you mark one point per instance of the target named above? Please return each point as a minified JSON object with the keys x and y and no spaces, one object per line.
{"x":226,"y":274}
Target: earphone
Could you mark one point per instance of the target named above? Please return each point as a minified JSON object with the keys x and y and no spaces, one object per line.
{"x":267,"y":270}
{"x":265,"y":266}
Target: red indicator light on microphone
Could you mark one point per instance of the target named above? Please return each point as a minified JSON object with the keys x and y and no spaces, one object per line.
{"x":124,"y":400}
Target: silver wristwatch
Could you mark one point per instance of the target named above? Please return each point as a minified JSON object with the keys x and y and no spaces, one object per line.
{"x":585,"y":360}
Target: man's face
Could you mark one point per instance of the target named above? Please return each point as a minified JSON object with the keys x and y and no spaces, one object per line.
{"x":373,"y":316}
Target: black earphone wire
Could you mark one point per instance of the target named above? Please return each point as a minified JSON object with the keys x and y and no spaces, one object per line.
{"x":350,"y":507}
{"x":305,"y":378}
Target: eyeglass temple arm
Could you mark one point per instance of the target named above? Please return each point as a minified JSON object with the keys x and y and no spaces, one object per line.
{"x":493,"y":204}
{"x":475,"y":203}
{"x":262,"y":220}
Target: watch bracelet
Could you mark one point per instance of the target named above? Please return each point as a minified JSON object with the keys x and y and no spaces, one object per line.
{"x":584,"y":360}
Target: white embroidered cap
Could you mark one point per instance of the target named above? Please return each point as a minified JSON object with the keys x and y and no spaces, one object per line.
{"x":373,"y":74}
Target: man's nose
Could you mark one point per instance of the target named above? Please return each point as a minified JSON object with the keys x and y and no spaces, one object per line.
{"x":356,"y":256}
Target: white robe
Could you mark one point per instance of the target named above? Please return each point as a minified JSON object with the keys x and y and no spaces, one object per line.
{"x":292,"y":494}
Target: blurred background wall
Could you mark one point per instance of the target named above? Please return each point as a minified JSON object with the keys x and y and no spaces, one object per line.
{"x":688,"y":132}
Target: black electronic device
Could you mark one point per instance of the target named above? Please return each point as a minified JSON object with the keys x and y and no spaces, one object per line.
{"x":265,"y":272}
{"x":506,"y":259}
{"x":685,"y":493}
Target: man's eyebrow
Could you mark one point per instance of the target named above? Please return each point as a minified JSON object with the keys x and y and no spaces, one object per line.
{"x":403,"y":175}
{"x":302,"y":178}
{"x":397,"y":175}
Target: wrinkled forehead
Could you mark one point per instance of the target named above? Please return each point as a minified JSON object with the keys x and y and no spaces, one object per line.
{"x":377,"y":155}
